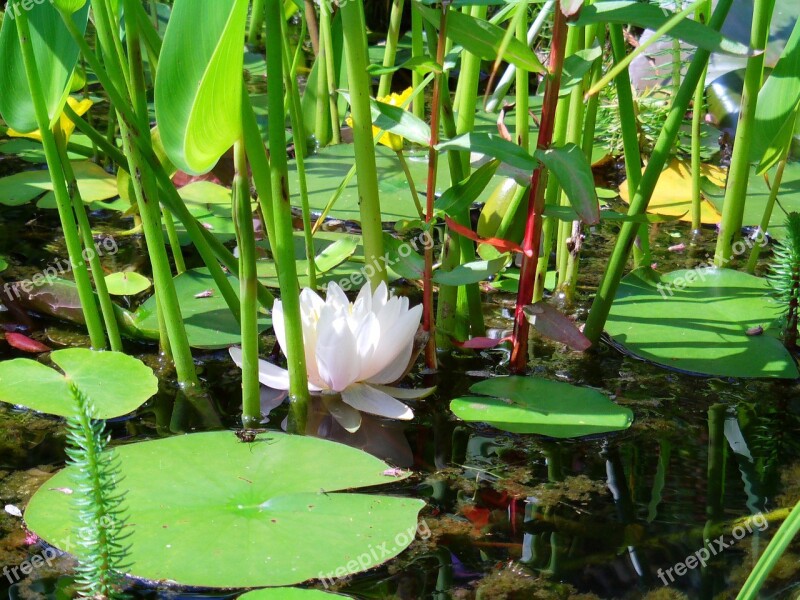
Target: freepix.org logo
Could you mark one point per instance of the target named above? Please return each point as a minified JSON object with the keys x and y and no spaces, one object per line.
{"x":16,"y":7}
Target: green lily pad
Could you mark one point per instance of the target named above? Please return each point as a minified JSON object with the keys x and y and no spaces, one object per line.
{"x":535,"y":405}
{"x":33,"y":152}
{"x":127,"y":283}
{"x":208,"y":320}
{"x":210,"y":203}
{"x":327,"y":169}
{"x":93,"y":182}
{"x":697,"y":321}
{"x":208,"y":510}
{"x":116,"y":383}
{"x":289,"y":594}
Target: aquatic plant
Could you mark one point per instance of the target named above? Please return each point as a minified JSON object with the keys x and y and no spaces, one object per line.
{"x":353,"y":350}
{"x":785,"y":278}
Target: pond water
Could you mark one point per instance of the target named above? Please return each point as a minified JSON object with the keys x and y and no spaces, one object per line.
{"x":508,"y":516}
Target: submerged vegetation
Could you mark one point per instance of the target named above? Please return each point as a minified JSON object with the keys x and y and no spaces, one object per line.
{"x":465,"y":251}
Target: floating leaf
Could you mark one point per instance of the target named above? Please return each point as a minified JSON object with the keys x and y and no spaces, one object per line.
{"x":673,"y":193}
{"x":537,"y":405}
{"x":198,"y":88}
{"x":116,"y":383}
{"x":93,"y":182}
{"x":26,"y":344}
{"x":697,"y":321}
{"x":289,"y":594}
{"x":208,"y":320}
{"x":127,"y":283}
{"x":56,"y":55}
{"x":471,"y":272}
{"x":260,"y":502}
{"x":554,"y":325}
{"x":336,"y":253}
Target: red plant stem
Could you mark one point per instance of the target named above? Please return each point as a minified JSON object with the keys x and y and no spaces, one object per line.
{"x":533,"y":222}
{"x":430,"y":191}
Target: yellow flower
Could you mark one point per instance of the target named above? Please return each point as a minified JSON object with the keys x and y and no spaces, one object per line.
{"x":67,"y":126}
{"x":392,"y":140}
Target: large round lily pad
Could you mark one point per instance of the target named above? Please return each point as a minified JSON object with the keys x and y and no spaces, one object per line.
{"x":289,"y":594}
{"x":114,"y":382}
{"x":698,"y":320}
{"x":537,"y":405}
{"x":209,"y":510}
{"x":208,"y":320}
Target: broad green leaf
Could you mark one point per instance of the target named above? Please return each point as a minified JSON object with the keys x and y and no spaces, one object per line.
{"x":276,"y":509}
{"x":697,"y":321}
{"x":336,"y":253}
{"x":576,"y":66}
{"x":492,"y":145}
{"x":116,"y":383}
{"x":32,"y":151}
{"x":69,"y":6}
{"x":210,"y":203}
{"x":569,"y":165}
{"x":536,"y":405}
{"x":651,"y":16}
{"x":419,"y":64}
{"x":94,"y":183}
{"x":506,"y":196}
{"x":56,"y":56}
{"x":397,"y":120}
{"x":127,"y":283}
{"x":403,"y":257}
{"x":289,"y":594}
{"x":484,"y":39}
{"x":208,"y":320}
{"x":471,"y":272}
{"x":464,"y":193}
{"x":198,"y":90}
{"x":776,"y":111}
{"x":508,"y":281}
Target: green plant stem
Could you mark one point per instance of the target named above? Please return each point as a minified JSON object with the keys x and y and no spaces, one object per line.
{"x":701,"y":14}
{"x":630,"y":139}
{"x":322,"y":115}
{"x":755,"y":252}
{"x":410,"y":180}
{"x":94,"y":323}
{"x":417,"y":50}
{"x":522,"y":89}
{"x":298,"y":128}
{"x":85,"y":230}
{"x":390,"y":50}
{"x":644,"y":191}
{"x":146,"y":192}
{"x":174,"y":243}
{"x":256,"y":22}
{"x":739,"y":171}
{"x":283,"y":242}
{"x":326,"y":40}
{"x":245,"y":237}
{"x":776,"y":548}
{"x":355,"y":44}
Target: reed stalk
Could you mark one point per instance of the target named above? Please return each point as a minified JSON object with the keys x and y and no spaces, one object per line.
{"x":390,"y":50}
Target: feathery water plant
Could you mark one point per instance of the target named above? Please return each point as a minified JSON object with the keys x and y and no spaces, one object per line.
{"x":785,"y":277}
{"x":101,"y":547}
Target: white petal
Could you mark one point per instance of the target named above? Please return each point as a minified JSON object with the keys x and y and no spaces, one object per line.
{"x":380,"y":296}
{"x":268,"y":374}
{"x":405,"y":393}
{"x":376,"y":402}
{"x":337,"y":357}
{"x":335,"y":297}
{"x":278,"y":325}
{"x":368,"y":336}
{"x":347,"y":416}
{"x":395,"y":348}
{"x":271,"y":399}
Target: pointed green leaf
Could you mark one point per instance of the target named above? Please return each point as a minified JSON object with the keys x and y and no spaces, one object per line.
{"x":471,"y":272}
{"x":464,"y":193}
{"x":568,"y":163}
{"x":396,"y":119}
{"x":485,"y":39}
{"x":56,"y":56}
{"x":651,"y":16}
{"x":198,"y":91}
{"x":492,"y":145}
{"x":335,"y":254}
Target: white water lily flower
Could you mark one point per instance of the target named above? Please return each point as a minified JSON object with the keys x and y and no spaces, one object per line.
{"x":352,"y":349}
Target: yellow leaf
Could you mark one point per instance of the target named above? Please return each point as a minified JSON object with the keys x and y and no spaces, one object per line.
{"x":673,"y":193}
{"x":67,"y":126}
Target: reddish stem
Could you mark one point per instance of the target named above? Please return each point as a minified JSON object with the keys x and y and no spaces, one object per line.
{"x":533,"y":222}
{"x":430,"y":192}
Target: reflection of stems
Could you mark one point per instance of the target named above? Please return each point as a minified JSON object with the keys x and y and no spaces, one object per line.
{"x":410,"y":181}
{"x":245,"y":237}
{"x":85,"y":229}
{"x":54,"y":165}
{"x":283,"y":242}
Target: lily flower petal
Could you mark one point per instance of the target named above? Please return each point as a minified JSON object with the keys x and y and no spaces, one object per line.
{"x":370,"y":400}
{"x":268,"y":374}
{"x":405,"y":393}
{"x":337,"y":354}
{"x":347,"y":416}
